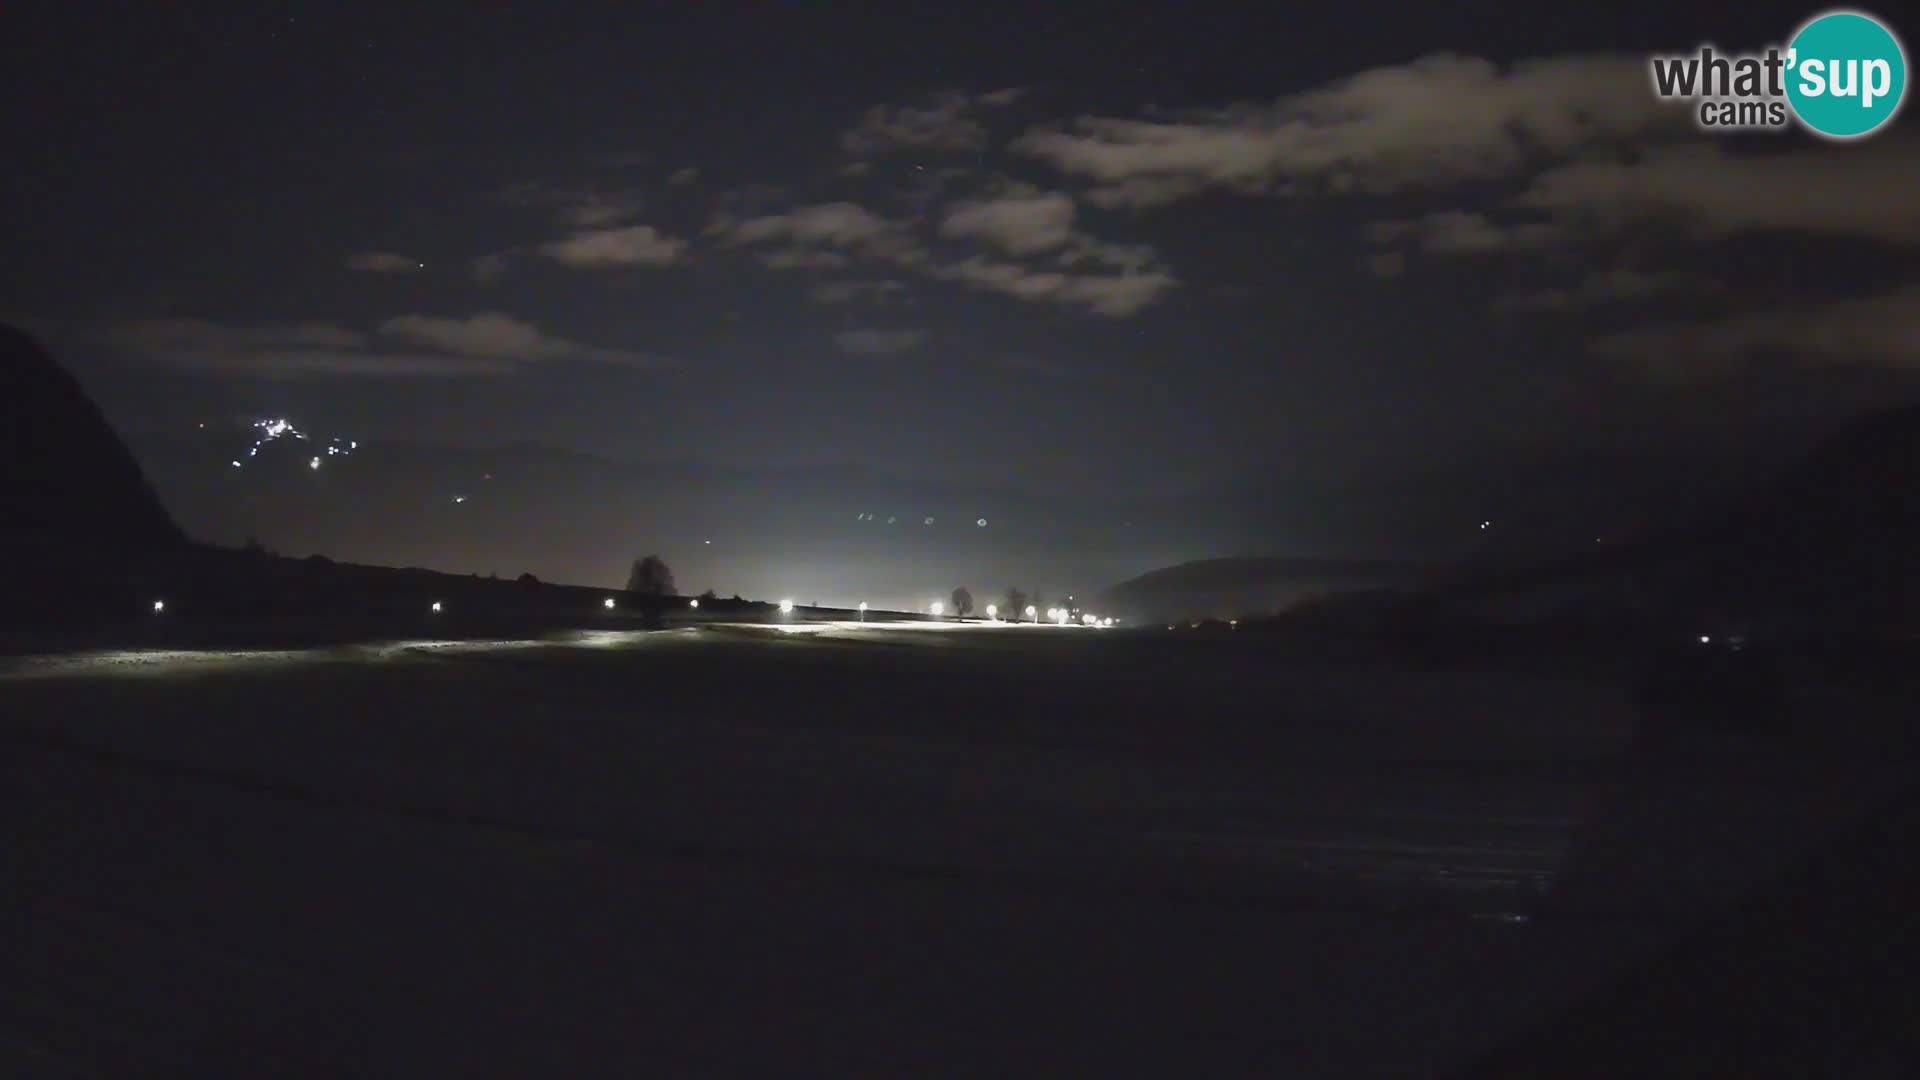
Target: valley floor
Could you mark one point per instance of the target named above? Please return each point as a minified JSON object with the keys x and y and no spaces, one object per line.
{"x":845,"y":850}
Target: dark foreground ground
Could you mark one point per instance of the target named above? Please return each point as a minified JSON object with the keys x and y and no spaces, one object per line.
{"x":857,"y":851}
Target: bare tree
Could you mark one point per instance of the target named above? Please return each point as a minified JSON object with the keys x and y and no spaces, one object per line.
{"x":1016,"y":604}
{"x":962,"y":602}
{"x":650,"y":577}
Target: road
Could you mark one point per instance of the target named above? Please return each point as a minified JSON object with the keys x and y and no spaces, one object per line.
{"x":837,"y":849}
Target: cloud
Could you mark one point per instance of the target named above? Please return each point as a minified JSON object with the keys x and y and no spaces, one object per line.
{"x":634,"y":245}
{"x":1881,"y":330}
{"x":1386,"y":264}
{"x":486,"y":344}
{"x":384,"y":262}
{"x":1619,"y":285}
{"x":281,"y":351}
{"x":1144,"y":192}
{"x":683,"y":176}
{"x":847,"y":292}
{"x":1022,"y":222}
{"x":943,"y":125}
{"x":1439,"y":120}
{"x":579,"y":207}
{"x":1084,"y":249}
{"x":843,"y":226}
{"x":796,"y":258}
{"x":1864,"y":192}
{"x":1464,"y":232}
{"x":1002,"y":98}
{"x":1115,"y":296}
{"x":488,"y":269}
{"x":1028,"y":364}
{"x":879,"y":342}
{"x":840,"y":224}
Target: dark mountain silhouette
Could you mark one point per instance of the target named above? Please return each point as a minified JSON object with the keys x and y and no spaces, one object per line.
{"x":69,"y":477}
{"x":1833,"y":543}
{"x":1222,"y":588}
{"x":1838,"y":538}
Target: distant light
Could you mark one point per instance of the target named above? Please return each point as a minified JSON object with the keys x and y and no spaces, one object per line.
{"x":1031,"y":611}
{"x":1233,"y":623}
{"x":607,"y":603}
{"x":1060,"y":616}
{"x":436,"y":607}
{"x":982,"y":523}
{"x":314,"y":464}
{"x":1087,"y":619}
{"x":993,"y":611}
{"x":706,"y":541}
{"x":236,"y":464}
{"x":159,"y":606}
{"x":203,"y":427}
{"x":928,"y":521}
{"x":863,"y":605}
{"x":1486,"y":524}
{"x":690,"y":603}
{"x":786,"y":606}
{"x":937,"y":608}
{"x":1106,"y":622}
{"x":1706,"y":639}
{"x":459,"y":498}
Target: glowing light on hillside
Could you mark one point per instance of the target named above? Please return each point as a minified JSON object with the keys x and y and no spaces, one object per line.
{"x":607,"y":603}
{"x":267,"y":430}
{"x":786,"y":606}
{"x":1032,"y":612}
{"x":695,"y":604}
{"x":159,"y":606}
{"x":937,"y":608}
{"x":993,"y":611}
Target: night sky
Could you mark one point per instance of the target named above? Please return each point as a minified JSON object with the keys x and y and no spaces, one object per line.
{"x":1200,"y":272}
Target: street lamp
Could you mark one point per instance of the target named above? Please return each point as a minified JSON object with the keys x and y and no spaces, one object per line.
{"x":1033,"y":613}
{"x":863,"y":611}
{"x":607,"y":603}
{"x":786,"y":606}
{"x":938,"y":608}
{"x":993,"y":612}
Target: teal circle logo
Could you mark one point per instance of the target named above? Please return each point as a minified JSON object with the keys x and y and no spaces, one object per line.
{"x":1847,"y":75}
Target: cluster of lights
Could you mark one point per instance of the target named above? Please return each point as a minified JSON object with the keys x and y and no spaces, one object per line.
{"x":926,"y":520}
{"x":267,"y":431}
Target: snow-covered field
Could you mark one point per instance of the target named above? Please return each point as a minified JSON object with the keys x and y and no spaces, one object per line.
{"x":834,"y":849}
